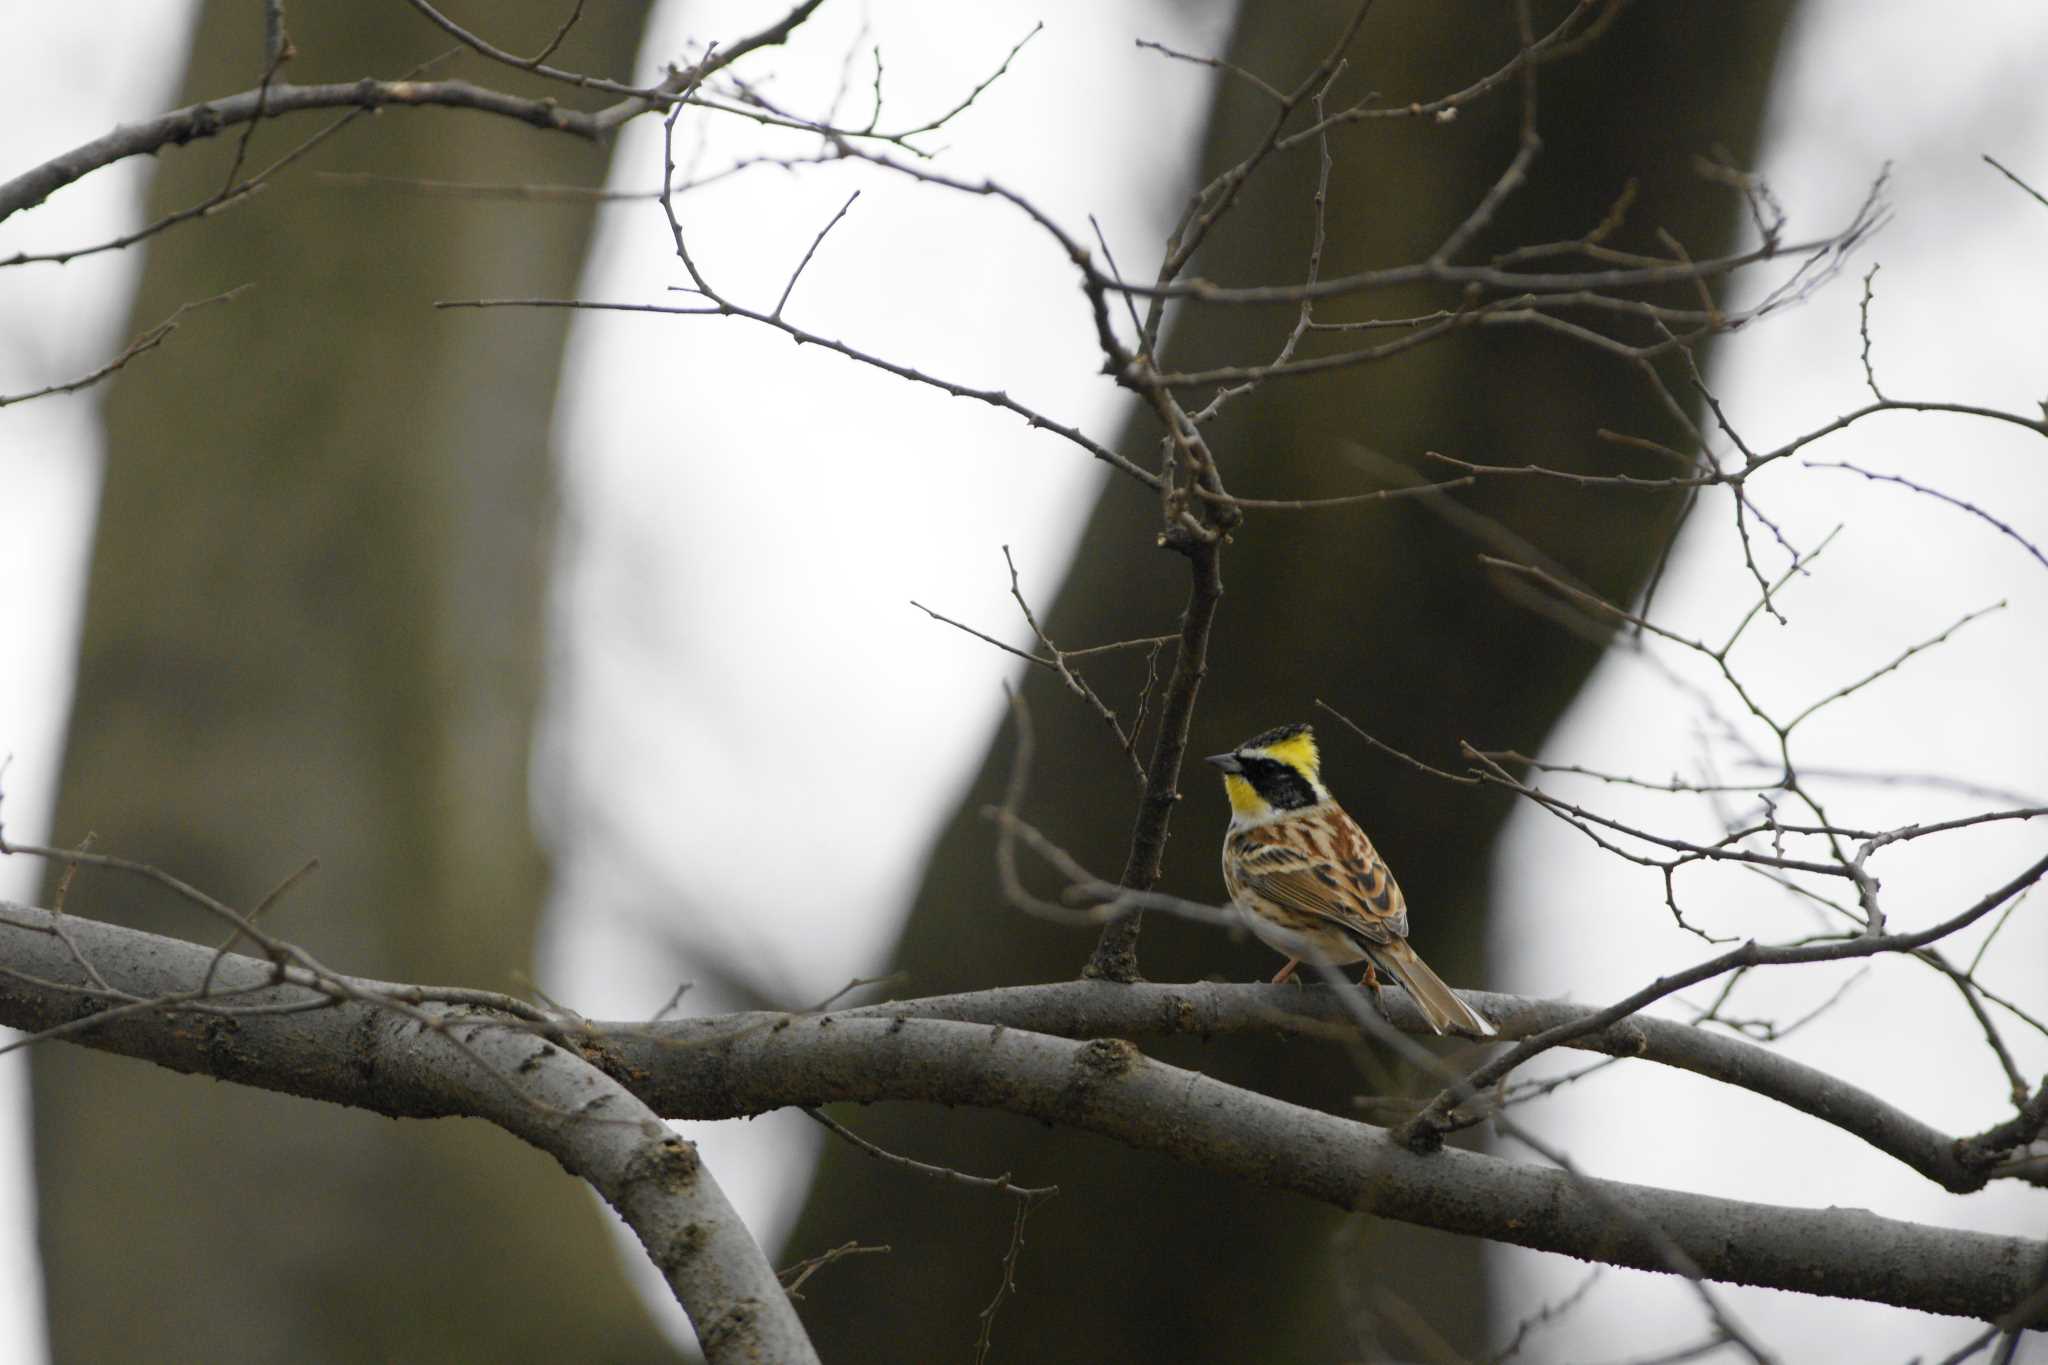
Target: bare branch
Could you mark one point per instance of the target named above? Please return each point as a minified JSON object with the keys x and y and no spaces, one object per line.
{"x":1116,"y":955}
{"x":1125,"y":743}
{"x":1027,"y":1200}
{"x":1214,"y":64}
{"x":816,"y":242}
{"x":1104,"y":1086}
{"x":774,"y":35}
{"x":1107,"y":1087}
{"x":1863,"y":330}
{"x":1429,"y":1126}
{"x":2002,"y":527}
{"x":269,"y":100}
{"x":795,"y":1277}
{"x":1543,"y":1317}
{"x":1850,"y":689}
{"x":148,"y":341}
{"x":993,"y":397}
{"x":1998,"y":166}
{"x":210,"y":119}
{"x":491,"y":1067}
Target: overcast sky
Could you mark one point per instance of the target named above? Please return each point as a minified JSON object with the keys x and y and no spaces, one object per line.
{"x":670,"y":425}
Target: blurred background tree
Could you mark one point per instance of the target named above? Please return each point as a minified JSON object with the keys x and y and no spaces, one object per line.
{"x":221,"y":709}
{"x":1380,"y":610}
{"x":314,"y":626}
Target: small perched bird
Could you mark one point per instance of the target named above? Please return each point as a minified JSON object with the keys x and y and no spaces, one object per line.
{"x":1308,"y":880}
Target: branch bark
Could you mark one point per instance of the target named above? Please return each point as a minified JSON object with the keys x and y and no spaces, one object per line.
{"x":426,"y":1061}
{"x":1107,"y":1087}
{"x":1116,"y":953}
{"x":1086,"y":1009}
{"x":212,"y":117}
{"x":367,"y":1054}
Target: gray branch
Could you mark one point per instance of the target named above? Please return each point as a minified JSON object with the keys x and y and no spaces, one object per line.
{"x":751,"y":1064}
{"x":1088,"y":1009}
{"x":419,"y":1061}
{"x":210,"y":118}
{"x":1107,"y":1086}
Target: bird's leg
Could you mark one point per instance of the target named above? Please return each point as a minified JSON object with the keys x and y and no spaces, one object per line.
{"x":1371,"y":981}
{"x":1287,"y":972}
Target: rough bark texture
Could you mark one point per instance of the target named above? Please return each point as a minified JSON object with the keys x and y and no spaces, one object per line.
{"x":1383,"y":612}
{"x":313,"y":629}
{"x":418,"y":1059}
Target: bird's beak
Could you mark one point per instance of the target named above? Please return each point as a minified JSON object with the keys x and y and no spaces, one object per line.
{"x":1227,"y":762}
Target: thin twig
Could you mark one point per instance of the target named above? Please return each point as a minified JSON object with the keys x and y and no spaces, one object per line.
{"x":797,"y":274}
{"x":1996,"y":165}
{"x":148,"y":341}
{"x":795,"y":1277}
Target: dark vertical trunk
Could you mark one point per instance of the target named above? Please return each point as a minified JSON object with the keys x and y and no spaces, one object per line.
{"x":313,"y":629}
{"x":1383,"y":612}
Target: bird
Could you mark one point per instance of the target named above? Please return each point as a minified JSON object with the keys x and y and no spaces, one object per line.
{"x":1308,"y":881}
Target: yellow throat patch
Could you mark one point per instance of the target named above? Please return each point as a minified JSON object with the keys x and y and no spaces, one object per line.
{"x":1244,"y":798}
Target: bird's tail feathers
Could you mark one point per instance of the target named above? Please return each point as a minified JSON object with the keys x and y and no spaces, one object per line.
{"x":1439,"y":1004}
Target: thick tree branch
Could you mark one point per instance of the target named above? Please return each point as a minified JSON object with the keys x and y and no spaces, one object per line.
{"x":356,"y":1051}
{"x":1086,"y":1009}
{"x":423,"y":1061}
{"x":1108,"y":1087}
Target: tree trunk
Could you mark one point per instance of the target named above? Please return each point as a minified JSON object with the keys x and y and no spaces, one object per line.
{"x":1380,"y":610}
{"x":314,"y":629}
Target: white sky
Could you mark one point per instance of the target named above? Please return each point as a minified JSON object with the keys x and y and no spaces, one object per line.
{"x":747,"y":520}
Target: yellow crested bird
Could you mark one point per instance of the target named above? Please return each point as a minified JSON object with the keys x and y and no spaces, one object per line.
{"x":1310,"y":883}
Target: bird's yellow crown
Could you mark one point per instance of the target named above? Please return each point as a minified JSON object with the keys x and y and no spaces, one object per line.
{"x":1294,"y":745}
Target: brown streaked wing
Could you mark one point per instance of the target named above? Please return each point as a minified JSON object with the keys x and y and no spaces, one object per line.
{"x":1322,"y":864}
{"x":1375,"y":881}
